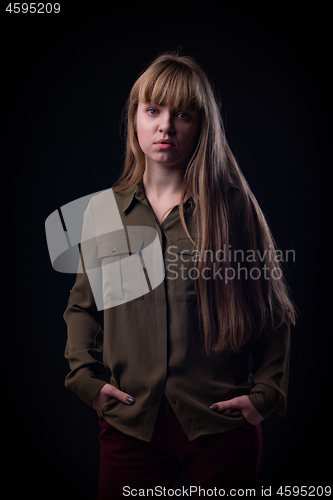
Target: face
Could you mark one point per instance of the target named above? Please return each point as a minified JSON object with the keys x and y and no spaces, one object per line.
{"x":166,"y":136}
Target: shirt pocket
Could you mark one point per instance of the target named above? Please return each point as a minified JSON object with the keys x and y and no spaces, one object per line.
{"x":186,"y":272}
{"x":122,"y":272}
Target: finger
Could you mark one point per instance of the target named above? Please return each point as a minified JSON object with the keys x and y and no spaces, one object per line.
{"x":122,"y":396}
{"x":226,"y":405}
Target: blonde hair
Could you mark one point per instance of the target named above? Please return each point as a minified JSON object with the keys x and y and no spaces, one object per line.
{"x":226,"y":212}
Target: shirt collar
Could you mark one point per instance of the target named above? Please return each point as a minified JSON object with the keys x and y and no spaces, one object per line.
{"x":128,"y":194}
{"x":136,"y":190}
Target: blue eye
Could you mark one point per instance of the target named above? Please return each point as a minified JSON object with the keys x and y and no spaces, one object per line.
{"x":185,"y":116}
{"x":152,"y":111}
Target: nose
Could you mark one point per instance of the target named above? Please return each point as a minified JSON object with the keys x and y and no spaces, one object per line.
{"x":166,"y":123}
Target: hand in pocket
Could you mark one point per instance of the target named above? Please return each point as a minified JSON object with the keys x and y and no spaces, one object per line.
{"x":243,"y":404}
{"x":107,"y":392}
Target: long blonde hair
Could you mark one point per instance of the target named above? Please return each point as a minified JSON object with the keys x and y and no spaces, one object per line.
{"x":226,"y":212}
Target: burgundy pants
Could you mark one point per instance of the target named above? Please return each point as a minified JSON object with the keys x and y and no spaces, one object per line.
{"x":226,"y":460}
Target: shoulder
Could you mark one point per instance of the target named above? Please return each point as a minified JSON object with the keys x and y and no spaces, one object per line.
{"x":104,"y":211}
{"x":102,"y":201}
{"x":101,"y":197}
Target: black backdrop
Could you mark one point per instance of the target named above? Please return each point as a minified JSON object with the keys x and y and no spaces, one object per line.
{"x":65,"y":78}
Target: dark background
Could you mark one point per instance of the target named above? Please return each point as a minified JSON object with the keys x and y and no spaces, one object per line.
{"x":65,"y":79}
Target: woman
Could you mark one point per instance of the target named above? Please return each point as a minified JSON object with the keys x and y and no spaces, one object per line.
{"x":198,"y":362}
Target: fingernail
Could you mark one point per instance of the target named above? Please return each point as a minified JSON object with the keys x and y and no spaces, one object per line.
{"x":130,"y":400}
{"x":214,"y":407}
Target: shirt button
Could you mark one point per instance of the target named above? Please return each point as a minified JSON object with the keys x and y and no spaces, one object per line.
{"x":173,"y":400}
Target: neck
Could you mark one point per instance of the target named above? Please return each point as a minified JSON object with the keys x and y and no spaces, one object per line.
{"x":162,"y":183}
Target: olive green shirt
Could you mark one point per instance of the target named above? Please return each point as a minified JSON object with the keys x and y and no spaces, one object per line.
{"x":152,"y":345}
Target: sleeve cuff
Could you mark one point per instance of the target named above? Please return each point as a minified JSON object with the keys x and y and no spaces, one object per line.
{"x":86,"y":387}
{"x":262,"y":404}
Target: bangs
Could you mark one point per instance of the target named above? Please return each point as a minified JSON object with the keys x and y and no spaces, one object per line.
{"x":172,"y":84}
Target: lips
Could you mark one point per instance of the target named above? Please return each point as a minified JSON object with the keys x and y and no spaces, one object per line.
{"x":164,"y":143}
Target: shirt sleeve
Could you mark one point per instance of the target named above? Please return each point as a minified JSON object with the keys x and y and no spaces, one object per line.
{"x":85,"y":331}
{"x":271,"y":355}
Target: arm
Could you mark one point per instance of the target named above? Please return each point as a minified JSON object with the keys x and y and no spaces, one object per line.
{"x":85,"y":330}
{"x":84,"y":323}
{"x":271,"y":355}
{"x":84,"y":342}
